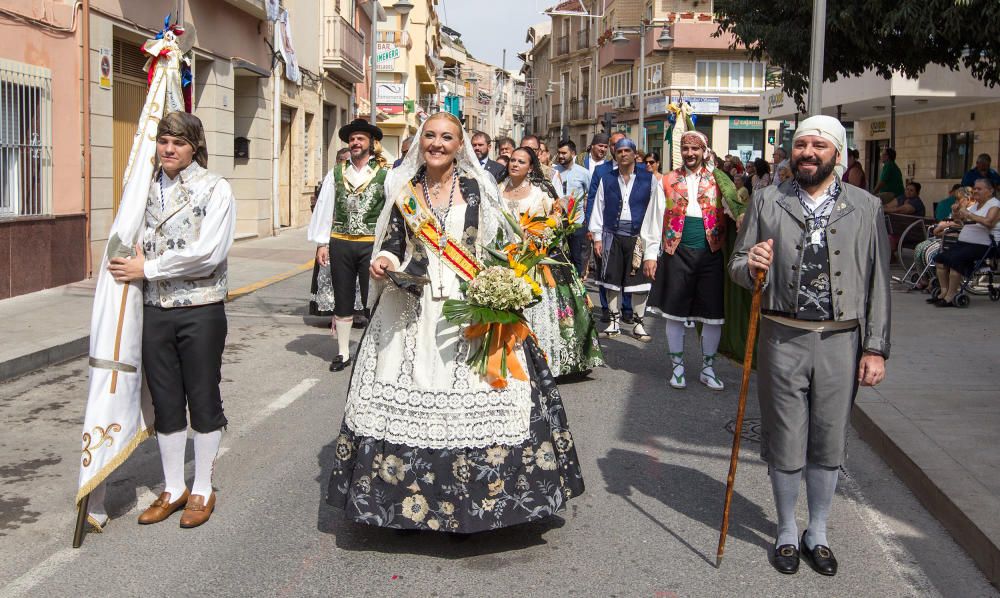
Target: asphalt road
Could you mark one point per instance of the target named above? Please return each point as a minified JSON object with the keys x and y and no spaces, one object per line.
{"x":655,"y":461}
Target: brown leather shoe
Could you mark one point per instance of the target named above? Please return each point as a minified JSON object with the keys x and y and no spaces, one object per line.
{"x":197,"y":510}
{"x":163,"y":508}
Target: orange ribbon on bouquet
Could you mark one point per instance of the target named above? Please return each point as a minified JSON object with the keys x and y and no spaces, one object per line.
{"x":503,"y":340}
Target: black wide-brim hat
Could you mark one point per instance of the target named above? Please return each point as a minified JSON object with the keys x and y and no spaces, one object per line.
{"x":359,"y":126}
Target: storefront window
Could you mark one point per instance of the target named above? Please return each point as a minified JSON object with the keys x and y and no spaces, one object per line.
{"x":956,"y":155}
{"x":746,"y":138}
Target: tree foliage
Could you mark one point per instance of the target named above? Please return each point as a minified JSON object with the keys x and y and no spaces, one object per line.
{"x":883,"y":36}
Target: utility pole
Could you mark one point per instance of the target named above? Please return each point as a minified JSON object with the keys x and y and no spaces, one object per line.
{"x":815,"y":100}
{"x":642,"y":87}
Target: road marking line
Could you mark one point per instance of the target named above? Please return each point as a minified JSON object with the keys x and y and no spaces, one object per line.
{"x":898,"y":556}
{"x":260,"y":284}
{"x":40,"y":572}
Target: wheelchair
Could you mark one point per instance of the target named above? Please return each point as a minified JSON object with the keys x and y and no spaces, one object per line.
{"x":982,"y":281}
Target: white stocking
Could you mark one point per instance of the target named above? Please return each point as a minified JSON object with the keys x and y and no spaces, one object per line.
{"x":172,"y":447}
{"x":343,"y":326}
{"x":206,"y":448}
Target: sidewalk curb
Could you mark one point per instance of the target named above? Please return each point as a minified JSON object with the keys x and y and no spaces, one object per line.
{"x":970,"y":520}
{"x":78,"y":347}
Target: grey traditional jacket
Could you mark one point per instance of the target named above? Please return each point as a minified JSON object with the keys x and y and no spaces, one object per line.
{"x":188,"y":235}
{"x":859,"y":257}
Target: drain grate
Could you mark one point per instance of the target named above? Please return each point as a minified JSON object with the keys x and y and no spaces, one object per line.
{"x":751,"y":428}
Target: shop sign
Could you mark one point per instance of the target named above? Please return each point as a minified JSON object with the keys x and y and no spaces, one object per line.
{"x":656,"y":105}
{"x":878,"y":129}
{"x":773,"y":102}
{"x":385,"y":56}
{"x":391,"y":108}
{"x":700,"y":105}
{"x":745,"y":123}
{"x":390,"y":93}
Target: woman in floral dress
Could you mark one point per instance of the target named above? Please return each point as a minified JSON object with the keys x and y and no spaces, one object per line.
{"x":561,"y":320}
{"x":427,"y":443}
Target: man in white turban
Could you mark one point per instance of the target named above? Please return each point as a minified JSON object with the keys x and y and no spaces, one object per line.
{"x":823,"y":250}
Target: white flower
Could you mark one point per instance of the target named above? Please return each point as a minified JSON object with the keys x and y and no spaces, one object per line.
{"x":497,"y":287}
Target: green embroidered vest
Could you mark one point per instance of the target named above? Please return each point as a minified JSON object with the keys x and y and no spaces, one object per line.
{"x":356,"y":211}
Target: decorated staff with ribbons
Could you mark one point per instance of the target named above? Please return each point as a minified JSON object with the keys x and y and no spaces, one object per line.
{"x":119,"y":414}
{"x":190,"y":224}
{"x":343,"y":225}
{"x":688,"y":277}
{"x":427,"y":441}
{"x":824,"y":328}
{"x":623,"y":196}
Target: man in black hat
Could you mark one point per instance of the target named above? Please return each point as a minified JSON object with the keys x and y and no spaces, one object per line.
{"x":343,"y":225}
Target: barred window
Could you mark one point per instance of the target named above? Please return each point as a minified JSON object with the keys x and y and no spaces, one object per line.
{"x":25,"y":139}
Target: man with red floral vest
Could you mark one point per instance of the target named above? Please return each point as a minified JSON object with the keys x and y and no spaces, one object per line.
{"x":688,"y":277}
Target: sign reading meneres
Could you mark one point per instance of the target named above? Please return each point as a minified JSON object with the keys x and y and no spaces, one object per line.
{"x":385,"y":56}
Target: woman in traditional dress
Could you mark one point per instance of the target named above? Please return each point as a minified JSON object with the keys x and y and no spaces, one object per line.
{"x":561,"y":321}
{"x":427,"y":443}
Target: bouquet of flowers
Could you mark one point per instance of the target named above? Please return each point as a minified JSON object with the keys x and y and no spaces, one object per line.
{"x":495,"y":299}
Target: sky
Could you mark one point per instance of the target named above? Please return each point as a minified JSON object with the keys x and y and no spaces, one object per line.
{"x":489,"y":26}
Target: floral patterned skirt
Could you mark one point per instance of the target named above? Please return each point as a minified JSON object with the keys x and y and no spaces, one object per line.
{"x":563,"y":323}
{"x":463,"y":490}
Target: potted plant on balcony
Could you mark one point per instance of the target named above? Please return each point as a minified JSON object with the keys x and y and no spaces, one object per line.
{"x":704,"y":16}
{"x":687,"y":15}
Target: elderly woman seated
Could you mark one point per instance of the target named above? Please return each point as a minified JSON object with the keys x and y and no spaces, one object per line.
{"x":947,"y":220}
{"x":981,"y":229}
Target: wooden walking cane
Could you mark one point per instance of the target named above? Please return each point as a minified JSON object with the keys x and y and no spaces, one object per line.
{"x":758,"y":287}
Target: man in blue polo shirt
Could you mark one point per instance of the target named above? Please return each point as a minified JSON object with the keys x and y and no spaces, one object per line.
{"x":575,"y":182}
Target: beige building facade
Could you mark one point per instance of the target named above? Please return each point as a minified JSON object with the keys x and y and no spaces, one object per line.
{"x":938,"y":123}
{"x":722,"y":85}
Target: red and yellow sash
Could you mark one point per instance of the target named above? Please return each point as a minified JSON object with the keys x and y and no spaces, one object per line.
{"x":424,"y":226}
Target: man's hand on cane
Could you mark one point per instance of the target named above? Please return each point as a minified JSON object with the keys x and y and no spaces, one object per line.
{"x":759,"y":257}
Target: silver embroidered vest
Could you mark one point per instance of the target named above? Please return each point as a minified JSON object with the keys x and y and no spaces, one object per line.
{"x":174,"y":225}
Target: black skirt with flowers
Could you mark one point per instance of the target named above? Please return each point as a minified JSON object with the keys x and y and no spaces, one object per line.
{"x":463,"y":490}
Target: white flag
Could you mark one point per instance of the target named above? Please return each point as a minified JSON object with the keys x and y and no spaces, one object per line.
{"x":119,"y":415}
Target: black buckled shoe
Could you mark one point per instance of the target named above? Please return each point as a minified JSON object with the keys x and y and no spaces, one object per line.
{"x":786,"y":559}
{"x":339,"y":363}
{"x":820,"y":558}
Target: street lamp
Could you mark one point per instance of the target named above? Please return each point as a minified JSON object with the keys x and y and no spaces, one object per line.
{"x":664,"y":40}
{"x":403,"y":7}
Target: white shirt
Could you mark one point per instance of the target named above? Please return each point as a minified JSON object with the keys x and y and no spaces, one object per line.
{"x":978,"y":233}
{"x":596,"y":226}
{"x":693,"y":180}
{"x":357,"y":176}
{"x":201,"y":257}
{"x":594,"y":164}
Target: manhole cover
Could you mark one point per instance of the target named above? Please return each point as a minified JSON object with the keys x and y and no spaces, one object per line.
{"x":751,"y":428}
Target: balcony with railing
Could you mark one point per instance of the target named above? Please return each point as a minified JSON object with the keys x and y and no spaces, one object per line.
{"x":583,"y":39}
{"x":343,"y":49}
{"x":580,"y":108}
